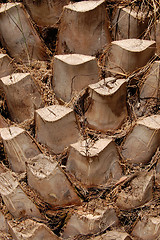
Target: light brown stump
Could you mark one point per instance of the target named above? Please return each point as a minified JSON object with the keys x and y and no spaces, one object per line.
{"x":16,"y":201}
{"x":31,"y":230}
{"x":129,"y":23}
{"x":107,"y":109}
{"x":148,"y":228}
{"x":45,"y":13}
{"x":56,"y":127}
{"x":19,"y":146}
{"x":151,"y":86}
{"x":22,"y":96}
{"x":137,"y":193}
{"x":18,"y":35}
{"x":94,"y":164}
{"x":126,"y":56}
{"x":6,"y":67}
{"x":158,"y":170}
{"x":72,"y":73}
{"x":113,"y":235}
{"x":3,"y":223}
{"x":50,"y":182}
{"x":142,"y":142}
{"x":158,"y":37}
{"x":84,"y":222}
{"x":3,"y":124}
{"x":84,"y":28}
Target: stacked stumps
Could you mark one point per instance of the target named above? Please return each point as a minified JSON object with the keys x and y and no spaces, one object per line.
{"x":77,"y":167}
